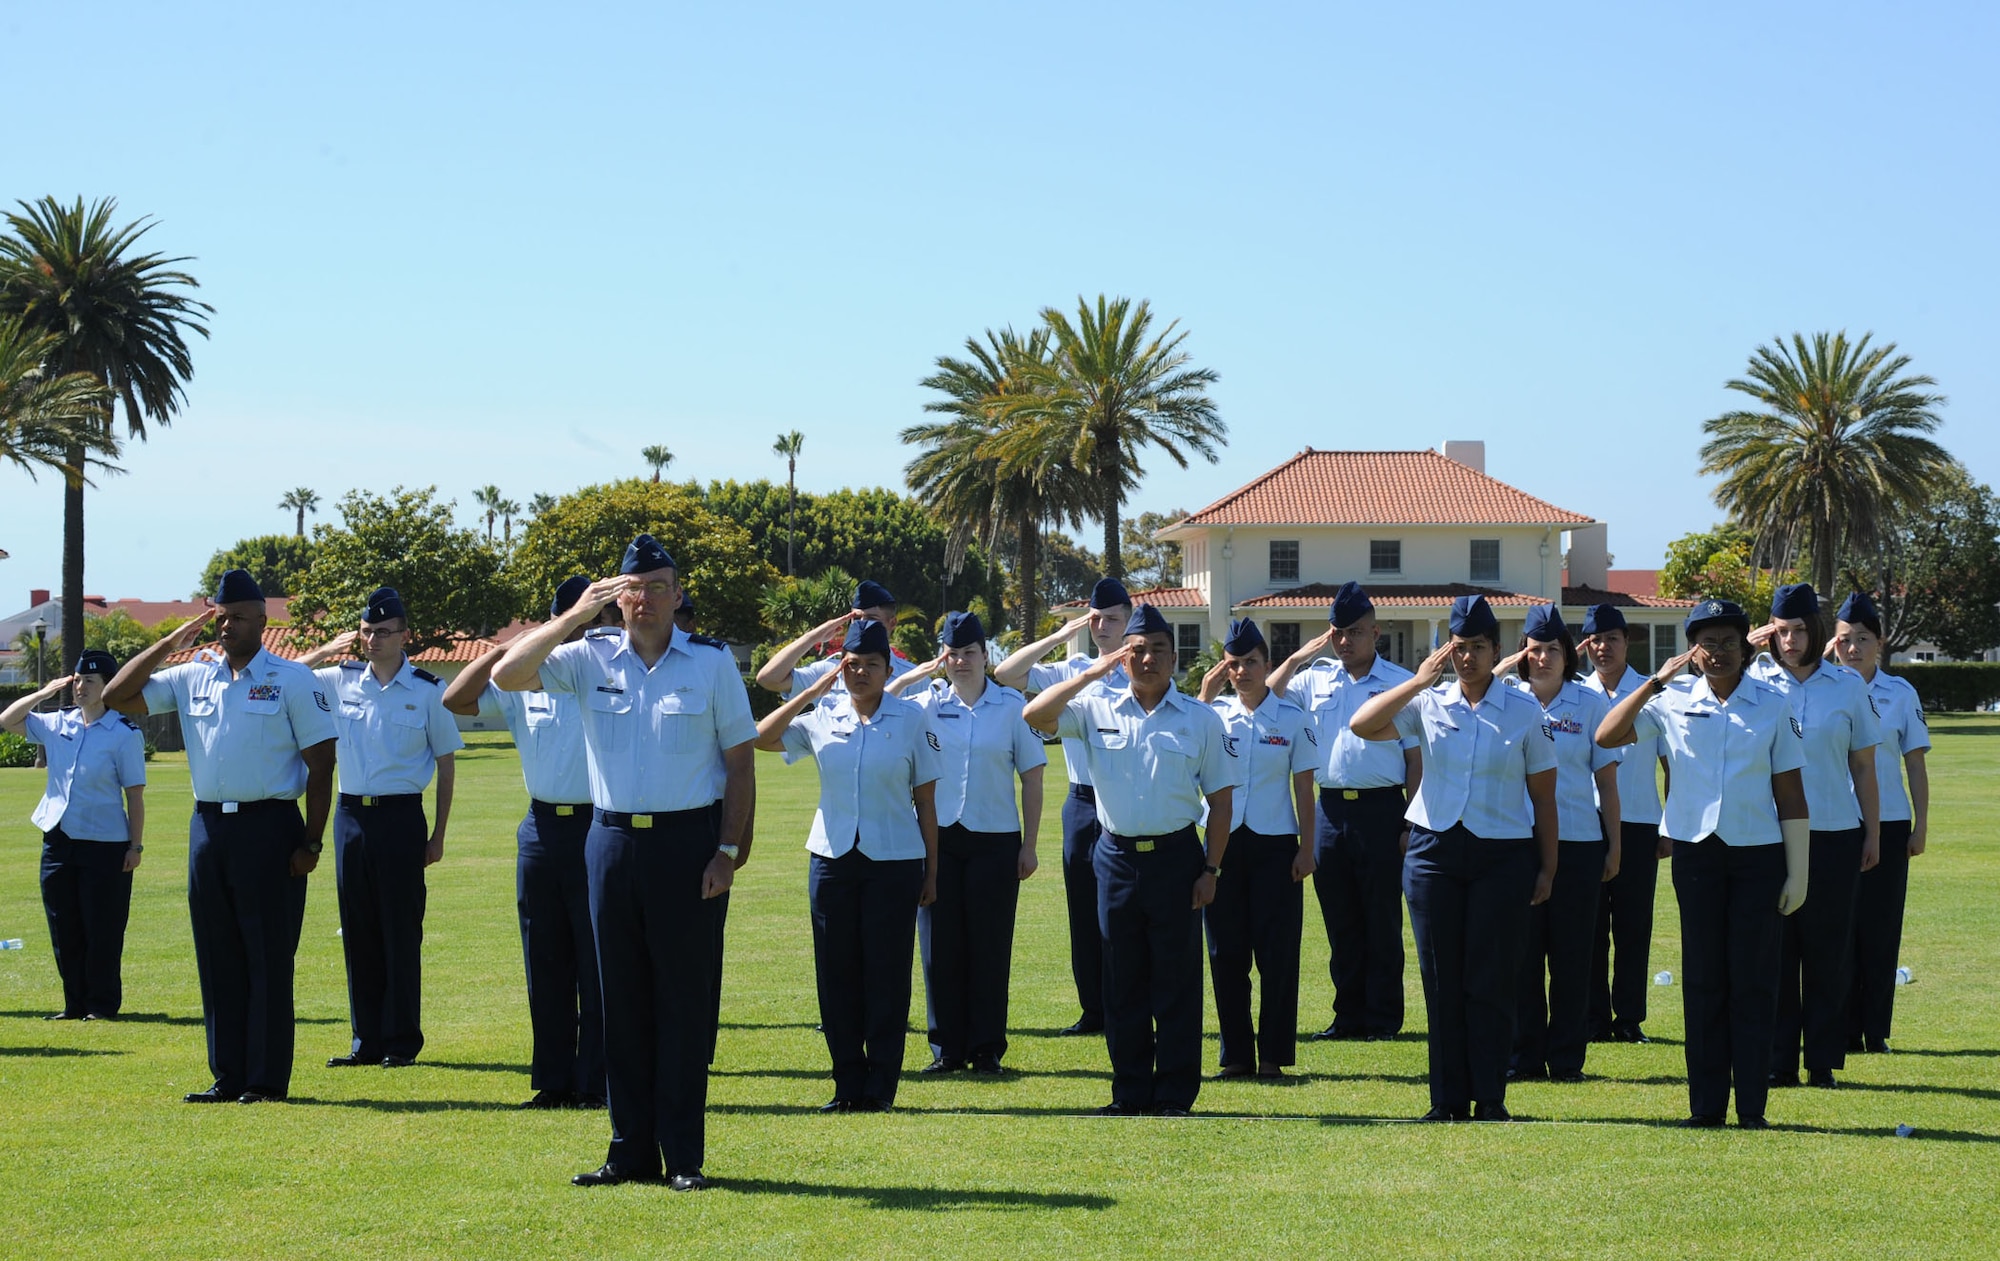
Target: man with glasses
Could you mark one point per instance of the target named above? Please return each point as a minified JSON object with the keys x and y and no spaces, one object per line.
{"x":394,"y":733}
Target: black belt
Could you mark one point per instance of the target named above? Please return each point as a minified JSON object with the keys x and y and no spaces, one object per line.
{"x":1148,"y":844}
{"x":243,"y":807}
{"x":561,"y":810}
{"x":1083,"y":792}
{"x":356,"y":801}
{"x":1357,"y":794}
{"x":658,"y":818}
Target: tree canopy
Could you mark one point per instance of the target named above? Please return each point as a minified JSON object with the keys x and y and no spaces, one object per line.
{"x":1717,"y":563}
{"x":277,"y":561}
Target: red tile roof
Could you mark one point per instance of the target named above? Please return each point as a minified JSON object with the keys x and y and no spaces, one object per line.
{"x":1158,"y":597}
{"x":153,"y":612}
{"x":1416,"y":595}
{"x":1378,"y":488}
{"x":1584,"y":597}
{"x":1634,"y":581}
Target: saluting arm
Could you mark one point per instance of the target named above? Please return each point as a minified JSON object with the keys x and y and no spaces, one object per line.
{"x":771,"y":731}
{"x":520,"y":668}
{"x":1013,"y":672}
{"x":1045,"y":710}
{"x":913,"y":676}
{"x":1615,"y":732}
{"x":461,"y":695}
{"x":126,"y":691}
{"x":1280,"y":679}
{"x":776,"y":674}
{"x":1376,"y":719}
{"x":14,"y":718}
{"x":327,"y":651}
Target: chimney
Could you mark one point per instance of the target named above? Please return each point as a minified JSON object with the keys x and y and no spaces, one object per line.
{"x":40,"y":595}
{"x":1590,"y":556}
{"x":1471,"y":454}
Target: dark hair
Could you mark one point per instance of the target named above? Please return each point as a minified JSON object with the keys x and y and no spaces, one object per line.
{"x":1491,"y":637}
{"x":1816,"y":637}
{"x":888,"y":662}
{"x":1570,"y":659}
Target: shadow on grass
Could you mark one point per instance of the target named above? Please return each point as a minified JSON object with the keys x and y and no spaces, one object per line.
{"x":54,"y":1052}
{"x":927,"y":1199}
{"x":464,"y":1066}
{"x":801,"y":1024}
{"x":1919,"y":1088}
{"x":1967,"y":1052}
{"x":407,"y":1105}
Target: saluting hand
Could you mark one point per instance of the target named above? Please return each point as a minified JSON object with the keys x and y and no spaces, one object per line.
{"x":54,"y":686}
{"x":1675,"y":664}
{"x":604,"y":591}
{"x":824,"y":683}
{"x":341,"y":643}
{"x":1110,"y":661}
{"x":183,"y":636}
{"x":1506,"y":664}
{"x":1433,"y":667}
{"x":1761,"y":637}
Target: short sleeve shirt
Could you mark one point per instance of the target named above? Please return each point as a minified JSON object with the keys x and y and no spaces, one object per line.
{"x":1572,"y":717}
{"x":91,"y":764}
{"x":1900,"y":715}
{"x":1832,"y":704}
{"x":1331,"y":695}
{"x":867,"y":773}
{"x":1152,"y":771}
{"x":1721,"y":756}
{"x":1476,"y":759}
{"x":1638,"y":773}
{"x":391,"y":734}
{"x":982,"y":748}
{"x":1045,"y":675}
{"x":244,"y":731}
{"x":1273,"y":742}
{"x":548,"y":734}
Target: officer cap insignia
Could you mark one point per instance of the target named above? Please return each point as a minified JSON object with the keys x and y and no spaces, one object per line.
{"x":98,"y":662}
{"x":383,"y":605}
{"x":643,"y":555}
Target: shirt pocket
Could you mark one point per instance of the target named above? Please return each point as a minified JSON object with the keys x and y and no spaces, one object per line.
{"x":1168,"y":745}
{"x":264,"y":708}
{"x":537,"y":718}
{"x":682,"y":720}
{"x":201,"y":705}
{"x":604,"y":701}
{"x":409,"y":730}
{"x":1113,"y":740}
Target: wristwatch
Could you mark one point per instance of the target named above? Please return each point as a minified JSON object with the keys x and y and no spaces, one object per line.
{"x":136,"y":848}
{"x":314,"y":847}
{"x":1212,"y":869}
{"x":729,"y":851}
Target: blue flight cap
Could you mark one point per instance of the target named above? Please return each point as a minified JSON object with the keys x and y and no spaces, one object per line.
{"x":643,"y":555}
{"x":237,"y":587}
{"x":1794,"y":599}
{"x":1109,"y":593}
{"x":871,"y":595}
{"x":1350,"y":605}
{"x":866,"y":635}
{"x":383,"y":604}
{"x":1712,"y":612}
{"x":962,"y":630}
{"x":568,"y":594}
{"x":1471,"y":615}
{"x":1858,"y":610}
{"x":1146,"y":620}
{"x":1601,"y":618}
{"x":686,"y":605}
{"x":96,"y":661}
{"x":1244,"y":638}
{"x":1544,"y":624}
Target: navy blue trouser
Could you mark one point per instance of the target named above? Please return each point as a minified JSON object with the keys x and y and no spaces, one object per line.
{"x":1469,"y":914}
{"x":972,"y":940}
{"x":1258,"y":915}
{"x":87,"y":896}
{"x":1816,"y":960}
{"x":1730,"y":927}
{"x":1358,"y":879}
{"x":655,"y":934}
{"x":864,"y":918}
{"x":1086,"y":946}
{"x":1620,"y":954}
{"x":552,"y":896}
{"x":1878,"y":935}
{"x":246,"y":907}
{"x":719,"y":908}
{"x":378,"y":861}
{"x":1152,"y":966}
{"x":1550,"y":1026}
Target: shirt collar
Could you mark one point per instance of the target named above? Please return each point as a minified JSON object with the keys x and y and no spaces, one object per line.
{"x":1174,"y":697}
{"x":218,"y":661}
{"x":989,"y":696}
{"x":676,"y":644}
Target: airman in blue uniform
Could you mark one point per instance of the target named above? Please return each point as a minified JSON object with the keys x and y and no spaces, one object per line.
{"x":259,"y":735}
{"x":93,"y":820}
{"x":783,"y":674}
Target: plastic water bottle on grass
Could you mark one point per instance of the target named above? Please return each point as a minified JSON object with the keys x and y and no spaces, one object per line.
{"x":1903,"y":976}
{"x":1663,"y":978}
{"x":12,"y":943}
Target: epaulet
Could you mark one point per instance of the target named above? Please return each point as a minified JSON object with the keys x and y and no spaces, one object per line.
{"x":426,"y":676}
{"x":1014,"y":692}
{"x":352,"y":665}
{"x":601,"y":632}
{"x":128,"y":722}
{"x":708,"y":640}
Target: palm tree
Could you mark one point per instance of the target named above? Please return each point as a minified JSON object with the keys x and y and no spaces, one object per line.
{"x":120,"y":316}
{"x":43,"y":419}
{"x":658,"y":456}
{"x":508,"y":510}
{"x":1112,"y":388}
{"x":539,"y":503}
{"x":489,"y":498}
{"x":304,"y":499}
{"x":961,"y":474}
{"x":789,"y":445}
{"x":1835,"y":451}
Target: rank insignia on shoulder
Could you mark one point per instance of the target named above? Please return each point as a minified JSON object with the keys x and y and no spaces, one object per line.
{"x":128,"y":722}
{"x":602,"y":632}
{"x":352,"y":665}
{"x":932,"y":737}
{"x":1549,"y":731}
{"x":426,"y":675}
{"x":1229,"y":745}
{"x":1312,"y":739}
{"x":708,"y":640}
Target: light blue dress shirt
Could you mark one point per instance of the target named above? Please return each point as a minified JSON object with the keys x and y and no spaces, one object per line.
{"x":1721,"y":756}
{"x":1331,"y":695}
{"x":1638,"y":773}
{"x":91,"y":764}
{"x":983,"y":747}
{"x":244,"y":731}
{"x":1153,"y":772}
{"x":654,"y":737}
{"x":1274,"y":742}
{"x":1833,"y":706}
{"x":1045,"y":675}
{"x":1900,"y":718}
{"x":548,"y":734}
{"x":391,"y":735}
{"x":1571,"y":717}
{"x":1476,"y":760}
{"x":867,"y":773}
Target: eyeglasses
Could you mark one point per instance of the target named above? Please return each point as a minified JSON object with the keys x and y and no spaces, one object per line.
{"x":654,"y":590}
{"x":376,"y":632}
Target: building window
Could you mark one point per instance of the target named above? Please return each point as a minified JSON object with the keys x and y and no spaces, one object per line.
{"x":1284,"y":640}
{"x":1665,"y":645}
{"x":1486,"y":560}
{"x":1187,"y":642}
{"x":1284,"y":560}
{"x":1385,"y":556}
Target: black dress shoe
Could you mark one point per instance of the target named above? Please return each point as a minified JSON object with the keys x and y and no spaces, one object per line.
{"x":64,"y":1015}
{"x":1822,"y":1079}
{"x":1752,"y":1123}
{"x":837,"y":1105}
{"x":1528,"y":1072}
{"x":100,"y":1015}
{"x":1856,"y":1045}
{"x":1445,"y":1114}
{"x":550,"y":1099}
{"x":1084,"y":1024}
{"x":1601,"y":1033}
{"x":397,"y":1061}
{"x":1879,"y":1046}
{"x":1491,"y":1112}
{"x":688,"y":1181}
{"x":943,"y":1064}
{"x":1228,"y":1071}
{"x":1119,"y":1110}
{"x":1335,"y":1033}
{"x":1784,"y":1081}
{"x":1566,"y":1074}
{"x":1702,"y":1123}
{"x":214,"y":1094}
{"x":1628,"y":1033}
{"x":865,"y":1104}
{"x":352,"y":1060}
{"x":610,"y":1175}
{"x":1170,"y":1110}
{"x":588,"y":1103}
{"x":988,"y":1063}
{"x":260,"y":1096}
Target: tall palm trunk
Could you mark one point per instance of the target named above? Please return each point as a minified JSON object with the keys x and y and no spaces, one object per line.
{"x":1028,"y":538}
{"x":72,"y":564}
{"x":1107,"y":482}
{"x":791,"y":510}
{"x":302,"y":520}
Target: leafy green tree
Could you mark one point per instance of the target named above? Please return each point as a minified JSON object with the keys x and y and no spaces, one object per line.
{"x":277,"y":561}
{"x":450,"y":579}
{"x":539,"y":503}
{"x":1148,"y":561}
{"x":1937,"y":575}
{"x":302,"y":500}
{"x":1833,"y":448}
{"x":793,"y":606}
{"x":1718,"y":563}
{"x":789,"y":445}
{"x":658,"y":456}
{"x":45,"y":420}
{"x":586,"y":532}
{"x":1068,"y":572}
{"x":120,"y":316}
{"x":114,"y":631}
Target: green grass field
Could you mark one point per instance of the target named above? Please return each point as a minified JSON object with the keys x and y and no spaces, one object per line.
{"x":101,"y":1158}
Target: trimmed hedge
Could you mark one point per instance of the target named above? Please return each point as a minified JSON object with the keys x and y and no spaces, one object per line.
{"x":1952,"y":685}
{"x":16,"y":751}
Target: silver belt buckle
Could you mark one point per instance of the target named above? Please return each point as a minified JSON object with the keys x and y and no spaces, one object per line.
{"x":229,"y":807}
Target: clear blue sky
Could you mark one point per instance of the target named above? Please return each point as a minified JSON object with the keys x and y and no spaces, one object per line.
{"x":511,"y":244}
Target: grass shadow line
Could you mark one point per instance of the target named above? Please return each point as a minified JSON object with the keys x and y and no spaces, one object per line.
{"x":927,"y":1199}
{"x":57,"y":1052}
{"x":407,"y":1105}
{"x":464,"y":1066}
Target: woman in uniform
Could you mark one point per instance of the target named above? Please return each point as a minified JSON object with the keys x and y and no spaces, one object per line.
{"x":1736,"y":810}
{"x":1259,"y":906}
{"x":93,"y":820}
{"x":1552,"y":1026}
{"x":1483,"y":850}
{"x":984,"y":851}
{"x":1878,"y":910}
{"x":874,"y":847}
{"x":1816,"y":969}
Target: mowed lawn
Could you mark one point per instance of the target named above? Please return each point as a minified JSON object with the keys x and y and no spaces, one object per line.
{"x":101,"y":1159}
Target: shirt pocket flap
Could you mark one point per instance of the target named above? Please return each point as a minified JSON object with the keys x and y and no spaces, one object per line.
{"x":1171,"y":742}
{"x":684,"y":702}
{"x":610,"y":700}
{"x":1110,"y":739}
{"x":407,"y":716}
{"x":200,"y":705}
